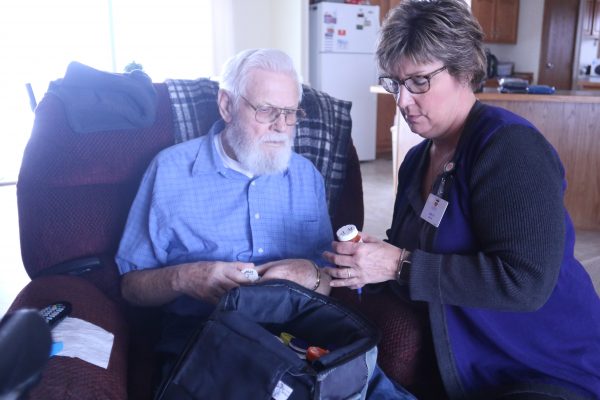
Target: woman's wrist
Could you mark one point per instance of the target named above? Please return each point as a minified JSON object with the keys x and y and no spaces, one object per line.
{"x":403,"y":267}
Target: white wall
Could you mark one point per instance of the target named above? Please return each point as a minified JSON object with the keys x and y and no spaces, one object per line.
{"x":290,"y":31}
{"x":281,"y":24}
{"x":526,"y":52}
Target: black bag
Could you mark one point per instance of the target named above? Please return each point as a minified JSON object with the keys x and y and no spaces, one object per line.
{"x":237,"y":354}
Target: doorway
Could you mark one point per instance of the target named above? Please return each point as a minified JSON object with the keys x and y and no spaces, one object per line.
{"x":386,"y":105}
{"x":559,"y":35}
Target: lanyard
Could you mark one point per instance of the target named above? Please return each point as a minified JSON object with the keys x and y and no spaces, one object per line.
{"x":446,"y":180}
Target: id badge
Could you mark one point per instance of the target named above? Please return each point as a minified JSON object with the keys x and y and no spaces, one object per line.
{"x":434,"y":209}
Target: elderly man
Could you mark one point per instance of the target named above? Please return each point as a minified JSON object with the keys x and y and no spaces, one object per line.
{"x":237,"y":199}
{"x":234,"y":199}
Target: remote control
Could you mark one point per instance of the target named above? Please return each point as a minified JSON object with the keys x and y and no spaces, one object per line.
{"x":54,"y":313}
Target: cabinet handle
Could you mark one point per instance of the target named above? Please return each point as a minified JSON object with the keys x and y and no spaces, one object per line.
{"x":549,"y":65}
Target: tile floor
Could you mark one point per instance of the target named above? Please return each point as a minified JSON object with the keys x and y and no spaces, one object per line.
{"x":379,"y":200}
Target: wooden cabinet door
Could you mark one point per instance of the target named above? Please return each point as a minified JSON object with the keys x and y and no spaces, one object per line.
{"x":386,"y":106}
{"x":596,"y":20}
{"x":588,"y":17}
{"x":385,"y":6}
{"x":499,"y":19}
{"x":559,"y":35}
{"x":506,"y":21}
{"x":484,"y":11}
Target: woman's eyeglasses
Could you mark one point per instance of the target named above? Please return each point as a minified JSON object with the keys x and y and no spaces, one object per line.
{"x":417,"y":84}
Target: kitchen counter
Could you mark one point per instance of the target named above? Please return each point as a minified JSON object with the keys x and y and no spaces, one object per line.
{"x":560,"y":96}
{"x":589,"y":82}
{"x":570,"y":122}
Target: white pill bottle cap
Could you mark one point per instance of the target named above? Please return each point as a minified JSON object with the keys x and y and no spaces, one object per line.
{"x":346,"y":233}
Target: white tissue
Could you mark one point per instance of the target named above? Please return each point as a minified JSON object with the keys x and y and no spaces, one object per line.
{"x":83,"y":340}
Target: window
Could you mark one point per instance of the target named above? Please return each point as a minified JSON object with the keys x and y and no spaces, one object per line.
{"x":171,"y":39}
{"x":38,"y":39}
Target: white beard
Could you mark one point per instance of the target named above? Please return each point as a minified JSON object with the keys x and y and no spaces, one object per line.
{"x":250,"y":153}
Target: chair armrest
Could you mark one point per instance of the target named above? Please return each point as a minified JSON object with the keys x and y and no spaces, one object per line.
{"x":73,"y":378}
{"x":77,"y":266}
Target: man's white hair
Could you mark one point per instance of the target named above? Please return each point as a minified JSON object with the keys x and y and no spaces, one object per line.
{"x":234,"y":77}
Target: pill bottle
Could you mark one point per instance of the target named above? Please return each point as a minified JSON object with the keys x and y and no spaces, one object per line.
{"x":348,"y":233}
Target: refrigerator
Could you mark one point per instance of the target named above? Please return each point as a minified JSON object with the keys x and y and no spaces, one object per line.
{"x":342,"y":43}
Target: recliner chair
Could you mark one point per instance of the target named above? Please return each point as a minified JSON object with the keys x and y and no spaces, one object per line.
{"x":74,"y":192}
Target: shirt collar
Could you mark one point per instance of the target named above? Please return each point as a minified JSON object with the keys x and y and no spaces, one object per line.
{"x":228,"y":161}
{"x":207,"y":158}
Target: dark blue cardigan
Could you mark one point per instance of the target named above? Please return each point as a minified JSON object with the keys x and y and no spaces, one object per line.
{"x":510,"y":307}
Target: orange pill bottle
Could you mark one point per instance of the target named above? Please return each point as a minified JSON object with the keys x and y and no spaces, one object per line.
{"x":349,"y":233}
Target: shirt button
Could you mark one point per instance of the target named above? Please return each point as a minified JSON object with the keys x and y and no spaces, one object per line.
{"x":253,"y":183}
{"x":260,"y":250}
{"x":257,"y":215}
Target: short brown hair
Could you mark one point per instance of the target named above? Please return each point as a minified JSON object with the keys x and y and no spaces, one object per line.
{"x":428,"y":30}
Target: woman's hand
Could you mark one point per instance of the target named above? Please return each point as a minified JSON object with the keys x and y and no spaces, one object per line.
{"x":358,"y":264}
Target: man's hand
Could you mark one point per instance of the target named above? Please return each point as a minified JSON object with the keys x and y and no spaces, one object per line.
{"x":205,"y":280}
{"x":209,"y":280}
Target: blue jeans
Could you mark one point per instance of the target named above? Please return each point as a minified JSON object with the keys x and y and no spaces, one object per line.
{"x":383,"y":388}
{"x":379,"y":386}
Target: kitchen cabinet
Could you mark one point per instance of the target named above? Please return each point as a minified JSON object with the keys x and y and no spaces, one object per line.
{"x":591,"y":18}
{"x":568,"y":120}
{"x":596,"y":20}
{"x":495,"y":82}
{"x":499,"y":19}
{"x":589,"y":83}
{"x":386,"y":106}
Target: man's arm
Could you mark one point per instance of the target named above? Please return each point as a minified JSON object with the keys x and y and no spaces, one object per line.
{"x":301,"y":271}
{"x":204,"y":280}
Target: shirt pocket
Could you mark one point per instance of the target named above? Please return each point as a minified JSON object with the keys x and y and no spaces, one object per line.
{"x":302,"y":235}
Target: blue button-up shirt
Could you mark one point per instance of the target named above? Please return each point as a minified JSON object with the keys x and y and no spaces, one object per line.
{"x":190,"y":207}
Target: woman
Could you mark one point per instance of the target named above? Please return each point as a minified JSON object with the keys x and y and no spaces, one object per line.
{"x":479,"y":232}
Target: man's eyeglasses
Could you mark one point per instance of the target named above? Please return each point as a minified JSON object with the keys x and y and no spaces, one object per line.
{"x":415,"y":84}
{"x":269,"y":114}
